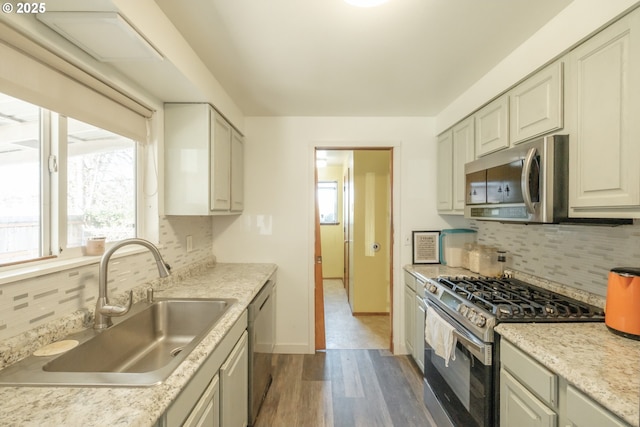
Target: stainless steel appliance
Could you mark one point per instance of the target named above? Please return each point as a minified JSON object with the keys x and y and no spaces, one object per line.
{"x":464,"y":394}
{"x":261,"y":329}
{"x":526,"y":183}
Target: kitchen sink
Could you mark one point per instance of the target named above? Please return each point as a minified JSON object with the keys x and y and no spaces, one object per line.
{"x":140,"y":350}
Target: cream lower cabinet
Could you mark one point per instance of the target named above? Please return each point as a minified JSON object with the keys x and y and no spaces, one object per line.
{"x":217,"y":395}
{"x":409,"y":312}
{"x":533,"y":396}
{"x":418,"y":346}
{"x":234,"y":386}
{"x":207,"y":410}
{"x":203,"y":158}
{"x":520,"y":407}
{"x":603,"y":110}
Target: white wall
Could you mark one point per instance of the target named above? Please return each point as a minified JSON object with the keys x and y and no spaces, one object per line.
{"x":277,"y":224}
{"x":575,"y":23}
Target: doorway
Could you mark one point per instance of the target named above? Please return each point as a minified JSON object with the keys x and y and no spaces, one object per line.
{"x":354,"y":201}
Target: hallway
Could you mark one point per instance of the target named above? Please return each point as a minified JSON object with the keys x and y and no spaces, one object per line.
{"x":345,"y":331}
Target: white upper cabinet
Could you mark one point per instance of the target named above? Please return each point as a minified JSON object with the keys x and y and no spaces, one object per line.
{"x":220,"y":161}
{"x":445,"y":172}
{"x":492,"y":126}
{"x":463,"y":152}
{"x":237,"y":172}
{"x":603,"y":111}
{"x":202,"y":154}
{"x":536,"y":105}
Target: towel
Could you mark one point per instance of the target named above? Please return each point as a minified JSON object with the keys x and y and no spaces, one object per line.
{"x":438,"y":333}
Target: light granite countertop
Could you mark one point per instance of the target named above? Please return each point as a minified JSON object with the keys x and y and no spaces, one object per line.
{"x":138,"y":406}
{"x":606,"y":367}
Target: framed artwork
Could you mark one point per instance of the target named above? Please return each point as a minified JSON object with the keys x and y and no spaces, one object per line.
{"x":426,"y":247}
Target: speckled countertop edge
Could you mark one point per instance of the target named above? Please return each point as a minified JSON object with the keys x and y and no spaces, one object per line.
{"x":139,"y":406}
{"x":604,"y":366}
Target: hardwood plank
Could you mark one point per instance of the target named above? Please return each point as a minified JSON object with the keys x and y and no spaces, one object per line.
{"x":344,"y":388}
{"x":405,"y":406}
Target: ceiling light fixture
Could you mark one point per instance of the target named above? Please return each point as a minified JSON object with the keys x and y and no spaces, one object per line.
{"x":365,"y":3}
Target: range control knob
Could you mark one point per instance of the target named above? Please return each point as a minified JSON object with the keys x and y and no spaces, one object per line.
{"x":480,"y":320}
{"x":432,"y":288}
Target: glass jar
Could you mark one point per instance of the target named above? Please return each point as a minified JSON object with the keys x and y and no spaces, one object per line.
{"x":474,"y":258}
{"x":489,"y":262}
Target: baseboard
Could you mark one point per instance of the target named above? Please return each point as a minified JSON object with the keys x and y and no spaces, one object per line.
{"x":291,"y":349}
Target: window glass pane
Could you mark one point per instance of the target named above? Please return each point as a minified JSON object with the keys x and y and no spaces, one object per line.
{"x":101,"y":184}
{"x":20,"y":213}
{"x":328,"y":202}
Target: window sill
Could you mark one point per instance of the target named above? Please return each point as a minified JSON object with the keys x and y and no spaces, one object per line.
{"x":24,"y":272}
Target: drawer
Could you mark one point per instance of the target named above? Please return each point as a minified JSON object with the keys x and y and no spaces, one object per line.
{"x":538,"y":379}
{"x":410,"y":280}
{"x":584,"y":412}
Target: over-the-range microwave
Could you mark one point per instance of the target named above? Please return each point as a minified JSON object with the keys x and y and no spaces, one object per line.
{"x":527,"y":183}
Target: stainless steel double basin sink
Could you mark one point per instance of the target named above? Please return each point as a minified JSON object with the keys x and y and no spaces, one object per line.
{"x":142,"y":349}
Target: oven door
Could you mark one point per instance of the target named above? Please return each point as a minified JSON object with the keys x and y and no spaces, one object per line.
{"x":462,"y":393}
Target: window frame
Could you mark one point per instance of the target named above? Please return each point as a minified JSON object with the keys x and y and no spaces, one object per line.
{"x":53,"y":199}
{"x":336,"y":202}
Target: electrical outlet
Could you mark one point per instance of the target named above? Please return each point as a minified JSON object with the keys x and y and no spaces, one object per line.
{"x":189,"y":243}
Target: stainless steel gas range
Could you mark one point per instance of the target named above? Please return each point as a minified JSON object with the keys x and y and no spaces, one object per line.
{"x":464,"y":393}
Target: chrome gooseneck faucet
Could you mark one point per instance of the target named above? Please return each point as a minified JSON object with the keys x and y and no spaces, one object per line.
{"x":105,"y":311}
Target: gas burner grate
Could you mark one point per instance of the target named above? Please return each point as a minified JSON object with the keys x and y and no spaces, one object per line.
{"x":517,"y":301}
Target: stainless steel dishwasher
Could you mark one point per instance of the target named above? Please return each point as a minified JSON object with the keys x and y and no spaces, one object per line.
{"x":261,"y":330}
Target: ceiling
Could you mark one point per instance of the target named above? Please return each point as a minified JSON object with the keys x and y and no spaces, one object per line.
{"x":327,"y":58}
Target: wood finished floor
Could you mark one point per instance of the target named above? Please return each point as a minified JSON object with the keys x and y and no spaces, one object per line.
{"x":344,"y":388}
{"x":355,"y":382}
{"x":345,"y":331}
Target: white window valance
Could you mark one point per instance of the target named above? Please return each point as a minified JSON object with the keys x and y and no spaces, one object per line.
{"x":30,"y":72}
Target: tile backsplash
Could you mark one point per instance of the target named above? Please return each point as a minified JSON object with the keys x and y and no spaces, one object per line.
{"x":30,"y":303}
{"x":578,"y":256}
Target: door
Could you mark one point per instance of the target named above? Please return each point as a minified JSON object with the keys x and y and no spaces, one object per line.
{"x":382,"y":237}
{"x":320,"y":341}
{"x":346,"y":202}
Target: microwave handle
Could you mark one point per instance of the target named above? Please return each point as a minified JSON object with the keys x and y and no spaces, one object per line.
{"x":524,"y":180}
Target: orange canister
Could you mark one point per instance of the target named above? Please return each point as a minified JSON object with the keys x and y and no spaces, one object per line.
{"x":622,"y":310}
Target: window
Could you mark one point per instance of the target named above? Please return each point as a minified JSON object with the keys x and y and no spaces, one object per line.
{"x":59,"y":188}
{"x":328,"y":202}
{"x":101,"y":196}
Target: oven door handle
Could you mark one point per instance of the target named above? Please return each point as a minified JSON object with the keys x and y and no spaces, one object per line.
{"x":480,"y":350}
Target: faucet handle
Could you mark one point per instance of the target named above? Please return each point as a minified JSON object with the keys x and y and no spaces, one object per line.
{"x":117,"y":310}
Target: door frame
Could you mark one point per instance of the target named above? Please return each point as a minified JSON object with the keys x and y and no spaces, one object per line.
{"x":395,"y":294}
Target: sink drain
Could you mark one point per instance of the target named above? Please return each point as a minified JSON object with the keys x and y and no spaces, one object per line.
{"x":175,"y":351}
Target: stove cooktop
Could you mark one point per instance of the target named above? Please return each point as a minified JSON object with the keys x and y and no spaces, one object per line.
{"x":511,"y":300}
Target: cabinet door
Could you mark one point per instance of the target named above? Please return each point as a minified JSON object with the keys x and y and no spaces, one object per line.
{"x":463,"y":152}
{"x":536,"y":105}
{"x":409,"y":322}
{"x":220,"y":197}
{"x":418,"y":347}
{"x":237,"y":172}
{"x":492,"y":126}
{"x":445,"y":175}
{"x":603,"y":83}
{"x":234,"y":386}
{"x":518,"y":407}
{"x":206,"y":413}
{"x":583,"y":412}
{"x":186,"y":159}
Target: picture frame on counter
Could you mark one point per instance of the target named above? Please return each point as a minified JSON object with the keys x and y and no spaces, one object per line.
{"x":426,"y":247}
